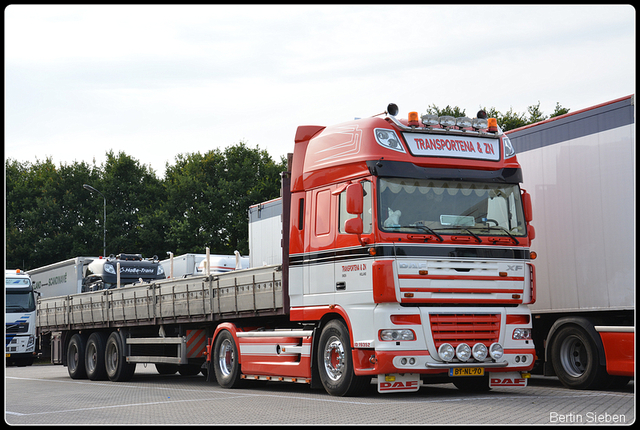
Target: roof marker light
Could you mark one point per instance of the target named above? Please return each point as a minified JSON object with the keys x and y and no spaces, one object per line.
{"x":413,"y":119}
{"x":492,"y":125}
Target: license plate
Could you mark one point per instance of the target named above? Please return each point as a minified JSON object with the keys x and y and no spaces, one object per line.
{"x":466,"y":371}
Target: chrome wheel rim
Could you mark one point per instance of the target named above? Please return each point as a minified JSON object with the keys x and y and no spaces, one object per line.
{"x":334,"y":358}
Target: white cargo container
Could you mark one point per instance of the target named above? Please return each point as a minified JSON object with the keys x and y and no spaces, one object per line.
{"x":222,"y":264}
{"x":61,"y":278}
{"x":183,"y":265}
{"x":580,"y":171}
{"x":265,"y":233}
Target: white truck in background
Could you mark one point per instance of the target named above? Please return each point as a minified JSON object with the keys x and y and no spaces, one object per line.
{"x":580,"y":171}
{"x":20,"y":318}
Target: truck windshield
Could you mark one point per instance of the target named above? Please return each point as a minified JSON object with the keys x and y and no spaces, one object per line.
{"x":19,"y":296}
{"x":450,"y":207}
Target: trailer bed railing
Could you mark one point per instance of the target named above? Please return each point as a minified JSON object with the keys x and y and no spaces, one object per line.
{"x":236,"y":294}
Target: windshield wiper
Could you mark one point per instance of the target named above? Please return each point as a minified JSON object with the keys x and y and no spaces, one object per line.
{"x":465,"y":229}
{"x":429,"y":230}
{"x":423,"y":227}
{"x":506,"y":231}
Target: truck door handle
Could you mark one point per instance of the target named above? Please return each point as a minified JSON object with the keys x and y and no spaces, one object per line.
{"x":341,"y":285}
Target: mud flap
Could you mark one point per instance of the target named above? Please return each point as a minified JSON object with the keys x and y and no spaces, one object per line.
{"x":507,"y":379}
{"x":406,"y":382}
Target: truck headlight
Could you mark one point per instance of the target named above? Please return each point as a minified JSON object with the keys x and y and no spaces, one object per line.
{"x":495,"y":351}
{"x":160,"y":270}
{"x":446,"y":352}
{"x":479,"y":351}
{"x":463,"y":352}
{"x":110,"y":269}
{"x":396,"y":335}
{"x":522,"y":334}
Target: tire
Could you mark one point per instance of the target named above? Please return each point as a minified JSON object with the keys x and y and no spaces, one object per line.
{"x":118,"y":370}
{"x":335,"y":362}
{"x":477,"y":384}
{"x":225,"y":361}
{"x":166,"y":369}
{"x":75,"y":357}
{"x":94,"y":357}
{"x":574,"y":355}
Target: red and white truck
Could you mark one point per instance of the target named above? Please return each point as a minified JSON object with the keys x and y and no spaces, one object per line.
{"x":580,"y":171}
{"x":399,"y":250}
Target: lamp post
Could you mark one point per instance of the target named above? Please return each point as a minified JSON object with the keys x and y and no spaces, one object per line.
{"x":104,"y":237}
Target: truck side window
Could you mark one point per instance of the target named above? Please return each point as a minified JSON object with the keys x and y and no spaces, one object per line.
{"x":301,"y":214}
{"x":367,"y":216}
{"x":323,"y":212}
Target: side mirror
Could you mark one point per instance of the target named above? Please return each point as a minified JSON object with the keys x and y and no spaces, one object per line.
{"x":353,"y":226}
{"x":526,"y":202}
{"x":355,"y":199}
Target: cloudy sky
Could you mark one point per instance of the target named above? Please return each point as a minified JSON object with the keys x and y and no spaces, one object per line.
{"x":157,"y":81}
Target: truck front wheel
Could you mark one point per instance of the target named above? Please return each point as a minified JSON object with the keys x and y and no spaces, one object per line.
{"x":118,"y":370}
{"x":225,"y":361}
{"x":335,"y":362}
{"x":75,"y":357}
{"x":574,"y":355}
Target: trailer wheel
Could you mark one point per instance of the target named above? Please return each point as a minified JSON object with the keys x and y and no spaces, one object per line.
{"x":94,"y":357}
{"x":75,"y":357}
{"x":335,"y":362}
{"x":118,"y":370}
{"x":574,"y":355}
{"x":225,"y":361}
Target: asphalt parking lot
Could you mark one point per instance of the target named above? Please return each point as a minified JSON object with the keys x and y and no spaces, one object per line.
{"x":44,"y":394}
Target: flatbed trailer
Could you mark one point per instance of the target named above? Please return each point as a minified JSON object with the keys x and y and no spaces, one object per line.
{"x":179,"y":307}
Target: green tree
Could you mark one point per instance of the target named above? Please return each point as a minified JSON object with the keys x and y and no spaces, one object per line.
{"x":202,"y":201}
{"x":134,"y":194}
{"x":193,"y":205}
{"x":251,"y":177}
{"x":447,"y":111}
{"x":559,"y":110}
{"x":209,"y":195}
{"x":535,"y":114}
{"x":512,"y":120}
{"x":48,"y":218}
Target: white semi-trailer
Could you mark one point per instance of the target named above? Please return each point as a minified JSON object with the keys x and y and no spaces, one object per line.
{"x":61,"y":278}
{"x":580,"y":171}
